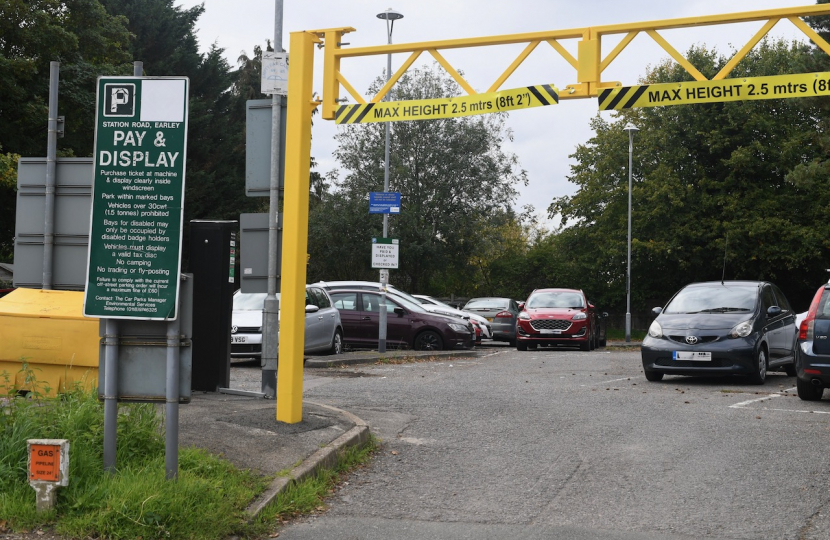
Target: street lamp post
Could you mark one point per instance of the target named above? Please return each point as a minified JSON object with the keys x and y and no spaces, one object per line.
{"x":390,"y":16}
{"x":631,"y":129}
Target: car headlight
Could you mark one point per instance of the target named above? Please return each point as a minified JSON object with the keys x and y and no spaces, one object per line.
{"x":524,"y":316}
{"x":459,"y":327}
{"x":742,"y":329}
{"x":655,"y":330}
{"x":581,"y":316}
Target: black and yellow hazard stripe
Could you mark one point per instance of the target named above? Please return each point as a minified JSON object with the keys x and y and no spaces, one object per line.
{"x":526,"y":97}
{"x":352,"y":114}
{"x":617,"y":99}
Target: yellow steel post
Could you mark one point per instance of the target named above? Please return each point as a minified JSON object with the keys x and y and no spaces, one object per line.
{"x":295,"y":233}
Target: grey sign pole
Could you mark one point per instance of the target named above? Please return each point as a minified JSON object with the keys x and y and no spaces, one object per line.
{"x":390,"y":15}
{"x":171,"y":441}
{"x":51,"y":162}
{"x":111,"y":339}
{"x":271,"y":311}
{"x":110,"y":393}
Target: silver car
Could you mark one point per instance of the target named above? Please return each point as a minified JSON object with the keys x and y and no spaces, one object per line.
{"x":502,"y":314}
{"x":323,"y":329}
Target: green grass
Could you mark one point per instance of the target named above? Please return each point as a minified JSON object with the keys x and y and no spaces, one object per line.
{"x":207,"y":501}
{"x":618,"y":334}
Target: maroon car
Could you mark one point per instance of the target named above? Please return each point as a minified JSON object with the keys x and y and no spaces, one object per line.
{"x":408,"y":325}
{"x":559,"y":317}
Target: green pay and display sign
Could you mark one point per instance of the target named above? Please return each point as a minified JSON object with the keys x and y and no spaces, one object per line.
{"x":137,"y":198}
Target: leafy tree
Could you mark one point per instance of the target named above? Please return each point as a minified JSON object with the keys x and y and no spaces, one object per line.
{"x":453,"y":175}
{"x":84,"y":38}
{"x":713,"y":194}
{"x":8,"y":199}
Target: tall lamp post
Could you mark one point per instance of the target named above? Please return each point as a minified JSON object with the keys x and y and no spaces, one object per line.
{"x":631,"y":129}
{"x":390,"y":16}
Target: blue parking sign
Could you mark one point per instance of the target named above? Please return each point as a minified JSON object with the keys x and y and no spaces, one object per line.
{"x":382,"y":202}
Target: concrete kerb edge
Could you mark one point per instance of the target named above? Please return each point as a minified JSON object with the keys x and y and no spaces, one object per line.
{"x":325,"y":457}
{"x":374,"y":357}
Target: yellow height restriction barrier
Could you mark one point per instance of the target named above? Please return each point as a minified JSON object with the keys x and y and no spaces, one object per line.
{"x":587,"y":68}
{"x":684,"y":93}
{"x":429,"y":109}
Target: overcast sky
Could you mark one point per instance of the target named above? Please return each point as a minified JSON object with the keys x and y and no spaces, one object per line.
{"x":544,"y":136}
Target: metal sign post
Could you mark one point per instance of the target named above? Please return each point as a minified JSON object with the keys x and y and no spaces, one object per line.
{"x":134,"y":257}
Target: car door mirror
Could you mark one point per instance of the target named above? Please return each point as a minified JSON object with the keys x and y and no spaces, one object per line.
{"x":774,"y":311}
{"x":657,"y":310}
{"x":399,"y":310}
{"x":521,"y":306}
{"x":311,"y":308}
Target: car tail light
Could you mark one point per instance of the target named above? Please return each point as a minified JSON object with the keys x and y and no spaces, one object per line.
{"x":812,"y":371}
{"x":504,"y":315}
{"x":805,"y":330}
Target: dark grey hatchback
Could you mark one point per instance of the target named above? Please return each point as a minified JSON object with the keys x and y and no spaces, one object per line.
{"x":721,"y":328}
{"x":812,"y":348}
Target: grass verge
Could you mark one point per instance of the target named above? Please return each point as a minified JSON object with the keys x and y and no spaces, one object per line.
{"x":308,"y":496}
{"x":207,"y":501}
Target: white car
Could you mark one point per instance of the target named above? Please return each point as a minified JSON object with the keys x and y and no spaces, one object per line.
{"x":323,"y":329}
{"x":484,"y":324}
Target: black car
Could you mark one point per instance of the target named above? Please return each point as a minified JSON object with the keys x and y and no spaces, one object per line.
{"x":812,"y":348}
{"x":722,"y":328}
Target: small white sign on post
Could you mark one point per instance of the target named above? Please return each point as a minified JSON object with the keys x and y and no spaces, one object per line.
{"x":384,"y":252}
{"x":274,"y":73}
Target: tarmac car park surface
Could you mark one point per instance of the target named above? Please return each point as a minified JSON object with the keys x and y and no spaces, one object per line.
{"x":559,"y":443}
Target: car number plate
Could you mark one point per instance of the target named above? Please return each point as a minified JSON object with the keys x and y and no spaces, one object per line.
{"x":239,"y":339}
{"x":694,"y":356}
{"x":550,"y":331}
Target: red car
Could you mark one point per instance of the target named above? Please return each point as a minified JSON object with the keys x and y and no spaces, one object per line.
{"x":559,"y":317}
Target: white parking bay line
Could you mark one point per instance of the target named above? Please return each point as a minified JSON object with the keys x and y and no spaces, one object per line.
{"x":743,"y":404}
{"x":609,"y":382}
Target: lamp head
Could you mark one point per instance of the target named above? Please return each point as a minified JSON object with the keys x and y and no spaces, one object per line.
{"x":390,"y":15}
{"x":630,"y":128}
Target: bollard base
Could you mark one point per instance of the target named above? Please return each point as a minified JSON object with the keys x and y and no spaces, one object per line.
{"x":46,"y":494}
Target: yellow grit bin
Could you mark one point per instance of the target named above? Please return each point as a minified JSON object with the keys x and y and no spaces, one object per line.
{"x":47,"y":331}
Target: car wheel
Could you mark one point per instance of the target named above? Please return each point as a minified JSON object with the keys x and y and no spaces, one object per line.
{"x":336,"y":343}
{"x":521,"y":346}
{"x":654,"y":376}
{"x":760,"y":374}
{"x":807,"y":391}
{"x":428,"y":341}
{"x":790,"y":370}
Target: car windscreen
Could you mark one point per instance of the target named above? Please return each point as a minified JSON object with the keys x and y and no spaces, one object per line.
{"x":406,"y":301}
{"x":558,"y":299}
{"x":406,"y":296}
{"x":715,"y":298}
{"x":486,"y":303}
{"x":252,"y":301}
